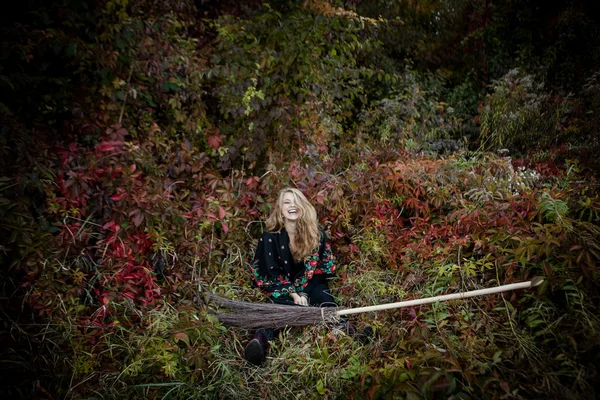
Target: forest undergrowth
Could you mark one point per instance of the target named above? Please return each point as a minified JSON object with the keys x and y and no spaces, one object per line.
{"x":136,"y":178}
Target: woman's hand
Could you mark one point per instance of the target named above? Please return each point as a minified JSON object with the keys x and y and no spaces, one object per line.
{"x":301,"y":300}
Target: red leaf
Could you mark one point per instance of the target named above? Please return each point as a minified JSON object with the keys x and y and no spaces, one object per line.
{"x":412,"y":313}
{"x":109,"y":225}
{"x":215,"y":141}
{"x":117,"y":197}
{"x":221,"y":212}
{"x":252,"y":182}
{"x":137,"y":220}
{"x":122,"y":132}
{"x":372,"y":392}
{"x":109,"y":145}
{"x":130,"y":295}
{"x":211,"y":217}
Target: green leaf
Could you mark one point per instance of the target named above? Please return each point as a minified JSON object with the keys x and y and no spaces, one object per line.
{"x":442,"y":316}
{"x":320,"y":387}
{"x":71,"y":49}
{"x":497,"y":358}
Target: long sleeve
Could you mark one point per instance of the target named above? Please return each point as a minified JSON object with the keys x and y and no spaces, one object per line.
{"x":326,"y":264}
{"x":269,"y":270}
{"x":320,"y":262}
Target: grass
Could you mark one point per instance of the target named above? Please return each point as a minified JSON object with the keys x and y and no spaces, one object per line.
{"x":516,"y":345}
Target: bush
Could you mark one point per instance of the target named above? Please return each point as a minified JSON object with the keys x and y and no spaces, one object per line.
{"x":412,"y":118}
{"x":520,"y":115}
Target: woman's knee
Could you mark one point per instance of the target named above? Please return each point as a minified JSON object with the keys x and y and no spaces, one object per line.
{"x":322,"y":297}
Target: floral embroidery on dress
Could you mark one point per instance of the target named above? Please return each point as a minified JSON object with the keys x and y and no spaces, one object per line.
{"x":269,"y":273}
{"x":264,"y":282}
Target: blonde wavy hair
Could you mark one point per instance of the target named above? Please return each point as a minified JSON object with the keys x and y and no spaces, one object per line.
{"x":307,"y":236}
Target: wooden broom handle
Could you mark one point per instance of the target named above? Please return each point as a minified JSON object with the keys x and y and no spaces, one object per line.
{"x":504,"y":288}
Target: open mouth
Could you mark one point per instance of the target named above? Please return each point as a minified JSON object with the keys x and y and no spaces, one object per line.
{"x":292,"y":211}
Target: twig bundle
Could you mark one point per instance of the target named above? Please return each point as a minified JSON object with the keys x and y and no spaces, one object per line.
{"x":264,"y":315}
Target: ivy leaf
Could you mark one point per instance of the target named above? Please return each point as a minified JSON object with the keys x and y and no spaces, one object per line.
{"x":117,"y":197}
{"x":137,"y":217}
{"x":214,"y":141}
{"x":108,"y":146}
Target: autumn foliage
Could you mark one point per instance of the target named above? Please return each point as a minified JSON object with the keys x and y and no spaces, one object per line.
{"x":143,"y":144}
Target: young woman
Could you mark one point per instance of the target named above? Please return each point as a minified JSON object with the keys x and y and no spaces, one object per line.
{"x":293,"y":258}
{"x":292,"y":263}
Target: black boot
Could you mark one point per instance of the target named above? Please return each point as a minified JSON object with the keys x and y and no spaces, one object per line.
{"x":346,"y":327}
{"x":365,"y":336}
{"x":256,"y":350}
{"x":349,"y":329}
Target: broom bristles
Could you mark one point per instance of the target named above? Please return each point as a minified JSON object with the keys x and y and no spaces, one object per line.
{"x":264,"y":315}
{"x":248,"y":315}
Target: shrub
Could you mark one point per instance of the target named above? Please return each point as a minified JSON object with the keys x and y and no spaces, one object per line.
{"x":412,"y":118}
{"x":520,"y":115}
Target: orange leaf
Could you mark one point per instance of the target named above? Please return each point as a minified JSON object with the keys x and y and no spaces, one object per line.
{"x":183,"y":337}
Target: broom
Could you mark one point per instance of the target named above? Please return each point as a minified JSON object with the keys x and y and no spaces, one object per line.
{"x":265,"y":315}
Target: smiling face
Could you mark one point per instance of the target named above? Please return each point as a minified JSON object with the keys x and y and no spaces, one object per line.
{"x":289,"y":208}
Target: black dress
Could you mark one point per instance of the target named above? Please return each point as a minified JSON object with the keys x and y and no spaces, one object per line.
{"x":277,"y":274}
